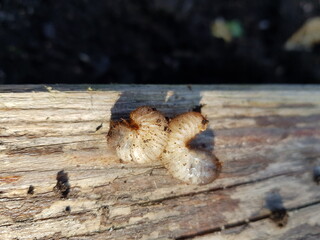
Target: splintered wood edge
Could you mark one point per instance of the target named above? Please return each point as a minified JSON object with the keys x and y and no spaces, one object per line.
{"x":266,"y":136}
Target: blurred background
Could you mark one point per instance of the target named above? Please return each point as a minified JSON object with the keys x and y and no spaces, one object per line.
{"x":159,"y":41}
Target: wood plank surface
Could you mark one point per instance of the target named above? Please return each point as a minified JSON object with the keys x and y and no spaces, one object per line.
{"x":267,"y":138}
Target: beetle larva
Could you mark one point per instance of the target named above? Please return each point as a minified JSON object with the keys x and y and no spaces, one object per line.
{"x":189,"y":165}
{"x":141,"y":139}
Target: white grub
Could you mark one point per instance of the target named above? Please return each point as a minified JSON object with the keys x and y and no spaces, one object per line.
{"x":186,"y":164}
{"x":147,"y":137}
{"x":141,"y":139}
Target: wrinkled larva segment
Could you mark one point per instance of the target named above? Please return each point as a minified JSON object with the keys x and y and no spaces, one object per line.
{"x":119,"y":138}
{"x":189,"y":165}
{"x":147,"y":137}
{"x":142,"y":139}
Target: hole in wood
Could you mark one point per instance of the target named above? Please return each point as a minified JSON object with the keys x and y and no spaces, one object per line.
{"x":68,"y":209}
{"x":62,"y":187}
{"x":99,"y":127}
{"x":278,"y":213}
{"x":30,"y":190}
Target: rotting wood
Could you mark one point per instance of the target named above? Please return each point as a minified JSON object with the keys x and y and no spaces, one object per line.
{"x":267,"y":138}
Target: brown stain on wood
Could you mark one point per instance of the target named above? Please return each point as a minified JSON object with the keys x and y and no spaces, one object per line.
{"x":250,"y":137}
{"x":25,"y":209}
{"x":245,"y":166}
{"x":9,"y":179}
{"x":200,"y":218}
{"x":307,"y":132}
{"x":285,"y":121}
{"x":271,"y":105}
{"x":36,"y":151}
{"x":93,"y":158}
{"x":104,"y":215}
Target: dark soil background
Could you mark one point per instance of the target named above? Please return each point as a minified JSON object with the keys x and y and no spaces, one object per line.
{"x":153,"y":41}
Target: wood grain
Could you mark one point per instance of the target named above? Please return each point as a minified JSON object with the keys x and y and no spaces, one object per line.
{"x":267,"y":138}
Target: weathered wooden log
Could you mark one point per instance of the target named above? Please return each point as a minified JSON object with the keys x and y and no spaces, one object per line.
{"x":58,"y":181}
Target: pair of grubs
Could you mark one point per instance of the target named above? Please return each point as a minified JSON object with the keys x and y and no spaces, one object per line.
{"x":148,"y":137}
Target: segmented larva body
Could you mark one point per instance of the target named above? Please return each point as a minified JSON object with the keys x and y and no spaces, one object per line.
{"x":142,"y":139}
{"x":189,"y":165}
{"x":147,"y":137}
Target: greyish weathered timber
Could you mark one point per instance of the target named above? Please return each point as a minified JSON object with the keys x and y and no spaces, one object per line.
{"x":58,"y":181}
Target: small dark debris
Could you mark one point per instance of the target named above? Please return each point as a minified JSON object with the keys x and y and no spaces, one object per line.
{"x":30,"y":190}
{"x":68,"y":209}
{"x":279,"y":213}
{"x":99,"y":127}
{"x":316,"y":174}
{"x":63,"y":186}
{"x":197,"y":108}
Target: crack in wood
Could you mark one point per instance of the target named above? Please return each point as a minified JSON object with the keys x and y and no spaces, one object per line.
{"x":159,"y":201}
{"x":243,"y":222}
{"x":54,"y":144}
